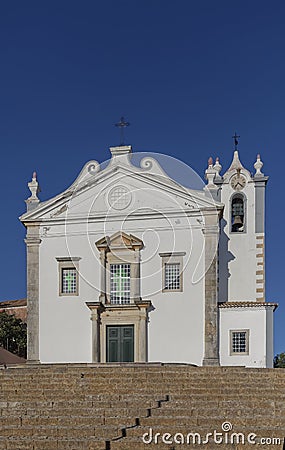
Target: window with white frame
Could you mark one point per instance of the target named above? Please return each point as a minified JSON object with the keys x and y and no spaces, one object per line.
{"x":172,"y":271}
{"x":239,"y":342}
{"x":120,"y":283}
{"x":68,"y":269}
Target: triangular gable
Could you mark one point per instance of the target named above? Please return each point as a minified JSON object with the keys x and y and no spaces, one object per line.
{"x":120,"y":239}
{"x":91,"y":176}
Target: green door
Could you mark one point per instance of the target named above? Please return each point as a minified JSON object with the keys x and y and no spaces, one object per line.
{"x":120,"y":343}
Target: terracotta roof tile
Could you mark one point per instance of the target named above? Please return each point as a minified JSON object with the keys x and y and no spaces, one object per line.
{"x":9,"y":358}
{"x":13,"y":303}
{"x":246,"y":304}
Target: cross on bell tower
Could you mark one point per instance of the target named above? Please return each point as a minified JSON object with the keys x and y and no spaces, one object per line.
{"x":235,"y":138}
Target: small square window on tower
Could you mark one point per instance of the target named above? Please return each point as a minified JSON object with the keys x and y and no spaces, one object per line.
{"x":239,"y":342}
{"x":68,"y":269}
{"x":172,"y":271}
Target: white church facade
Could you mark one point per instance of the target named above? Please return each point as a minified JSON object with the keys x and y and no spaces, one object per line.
{"x":128,"y":265}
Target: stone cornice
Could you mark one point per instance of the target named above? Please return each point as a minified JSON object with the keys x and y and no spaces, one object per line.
{"x":169,"y":254}
{"x":32,"y":241}
{"x":67,"y":258}
{"x":138,"y":304}
{"x":260,"y":181}
{"x":95,"y":305}
{"x":143,"y":303}
{"x":211,"y":230}
{"x":101,"y":217}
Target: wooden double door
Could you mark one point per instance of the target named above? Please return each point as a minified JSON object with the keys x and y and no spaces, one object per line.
{"x":120,"y":343}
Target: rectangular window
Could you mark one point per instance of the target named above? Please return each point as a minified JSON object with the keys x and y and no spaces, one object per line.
{"x":68,"y":271}
{"x":172,"y":271}
{"x":239,"y":342}
{"x":69,"y":281}
{"x":172,"y":277}
{"x":120,"y":283}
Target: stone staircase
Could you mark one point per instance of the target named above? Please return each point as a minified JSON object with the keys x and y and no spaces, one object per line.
{"x":111,"y":407}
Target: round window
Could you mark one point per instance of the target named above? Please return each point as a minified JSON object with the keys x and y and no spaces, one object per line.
{"x":119,"y":197}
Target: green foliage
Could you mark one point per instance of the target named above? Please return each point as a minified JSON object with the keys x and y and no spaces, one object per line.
{"x":279,"y":360}
{"x":13,"y":334}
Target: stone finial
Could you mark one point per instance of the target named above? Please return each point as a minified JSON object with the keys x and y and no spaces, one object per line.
{"x":210,"y":174}
{"x":258,"y":166}
{"x":33,"y":200}
{"x":217,"y":166}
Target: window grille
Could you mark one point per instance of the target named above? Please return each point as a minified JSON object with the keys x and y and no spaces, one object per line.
{"x":120,"y":283}
{"x":239,"y":342}
{"x":69,"y":281}
{"x":119,"y":197}
{"x":172,"y":276}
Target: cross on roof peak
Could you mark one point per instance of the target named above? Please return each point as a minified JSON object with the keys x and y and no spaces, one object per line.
{"x":122,"y":124}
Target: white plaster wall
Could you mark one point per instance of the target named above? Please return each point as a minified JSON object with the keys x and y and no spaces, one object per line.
{"x":237,"y":268}
{"x":176,"y":326}
{"x":65,"y":326}
{"x":254,"y":319}
{"x":269,"y":338}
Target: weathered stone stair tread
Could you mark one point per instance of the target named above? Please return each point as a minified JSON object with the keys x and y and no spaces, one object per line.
{"x":81,"y":406}
{"x":52,"y":444}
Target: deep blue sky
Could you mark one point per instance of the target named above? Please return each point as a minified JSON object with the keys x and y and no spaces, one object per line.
{"x":186,"y":74}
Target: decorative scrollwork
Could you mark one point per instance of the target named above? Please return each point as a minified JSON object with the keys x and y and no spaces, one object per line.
{"x":146,"y":163}
{"x":93,"y":168}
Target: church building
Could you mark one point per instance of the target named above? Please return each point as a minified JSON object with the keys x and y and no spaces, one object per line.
{"x":128,"y":265}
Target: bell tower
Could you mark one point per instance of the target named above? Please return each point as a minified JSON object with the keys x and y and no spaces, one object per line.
{"x":241,"y":244}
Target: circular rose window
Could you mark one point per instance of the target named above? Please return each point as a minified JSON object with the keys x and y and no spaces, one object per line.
{"x":119,"y":197}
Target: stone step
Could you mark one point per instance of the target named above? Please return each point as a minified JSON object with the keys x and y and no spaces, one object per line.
{"x":90,"y":431}
{"x":68,"y":421}
{"x":205,"y":411}
{"x":84,"y":407}
{"x":125,"y":378}
{"x":79,"y":406}
{"x":197,"y":403}
{"x":52,"y":444}
{"x":189,"y":421}
{"x":125,"y":393}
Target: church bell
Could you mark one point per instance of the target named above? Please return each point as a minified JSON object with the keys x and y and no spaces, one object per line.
{"x":237,"y":222}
